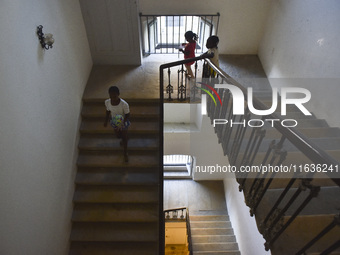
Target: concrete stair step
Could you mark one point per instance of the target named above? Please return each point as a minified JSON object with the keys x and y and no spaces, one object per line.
{"x":210,"y":224}
{"x":297,"y":115}
{"x":114,"y":232}
{"x":212,"y":231}
{"x":131,"y":101}
{"x":302,"y":230}
{"x":176,"y":249}
{"x":92,"y":110}
{"x":294,"y":163}
{"x":115,"y":194}
{"x":209,"y":218}
{"x":267,"y":100}
{"x":327,"y":202}
{"x":310,"y":132}
{"x":90,"y":212}
{"x":293,"y":158}
{"x":176,"y":175}
{"x":175,"y":168}
{"x":140,"y":127}
{"x":213,"y":238}
{"x":289,"y":107}
{"x":280,"y":183}
{"x":216,"y":213}
{"x":114,"y":160}
{"x":327,"y":143}
{"x":301,"y":123}
{"x":116,"y":178}
{"x":110,"y":143}
{"x":215,"y":246}
{"x":114,"y":248}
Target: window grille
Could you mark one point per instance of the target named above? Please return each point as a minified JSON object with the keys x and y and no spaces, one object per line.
{"x":163,"y":34}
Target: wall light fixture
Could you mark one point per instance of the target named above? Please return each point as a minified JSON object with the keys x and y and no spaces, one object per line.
{"x":46,"y":40}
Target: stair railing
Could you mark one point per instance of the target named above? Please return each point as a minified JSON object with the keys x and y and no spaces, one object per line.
{"x":272,"y":227}
{"x":233,"y":139}
{"x":183,"y":80}
{"x":180,"y":214}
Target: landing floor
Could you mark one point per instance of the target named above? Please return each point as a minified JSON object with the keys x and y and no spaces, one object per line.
{"x":143,"y":81}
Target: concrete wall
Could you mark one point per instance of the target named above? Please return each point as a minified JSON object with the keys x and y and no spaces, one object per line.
{"x":249,"y":239}
{"x":113,"y":31}
{"x":203,"y":145}
{"x":40,"y":100}
{"x":241,"y":21}
{"x":300,"y":48}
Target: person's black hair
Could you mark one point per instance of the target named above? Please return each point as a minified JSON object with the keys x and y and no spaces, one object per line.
{"x":114,"y":89}
{"x":214,"y":40}
{"x":191,"y":35}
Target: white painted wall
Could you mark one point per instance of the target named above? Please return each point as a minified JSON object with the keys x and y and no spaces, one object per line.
{"x":40,"y":100}
{"x":179,"y":113}
{"x":300,"y":47}
{"x":204,"y":145}
{"x":249,"y":240}
{"x":241,"y":21}
{"x":113,"y":31}
{"x":208,"y":152}
{"x":180,"y":121}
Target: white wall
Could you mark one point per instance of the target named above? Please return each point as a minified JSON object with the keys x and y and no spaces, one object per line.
{"x":241,"y":21}
{"x":203,"y":144}
{"x":40,"y":100}
{"x":300,"y":47}
{"x":249,"y":239}
{"x":200,"y":141}
{"x":113,"y":31}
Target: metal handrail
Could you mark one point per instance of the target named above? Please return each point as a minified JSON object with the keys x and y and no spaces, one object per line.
{"x":175,"y":209}
{"x":180,"y":62}
{"x":310,"y":149}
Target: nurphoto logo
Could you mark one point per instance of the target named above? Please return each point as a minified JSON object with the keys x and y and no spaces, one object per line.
{"x":238,"y":104}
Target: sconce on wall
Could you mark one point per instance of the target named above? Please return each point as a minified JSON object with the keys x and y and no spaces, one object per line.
{"x":46,"y":40}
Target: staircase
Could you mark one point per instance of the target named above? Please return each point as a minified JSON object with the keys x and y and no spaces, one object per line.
{"x":212,"y":234}
{"x":296,"y":213}
{"x":322,"y":209}
{"x":116,"y":204}
{"x":324,"y":206}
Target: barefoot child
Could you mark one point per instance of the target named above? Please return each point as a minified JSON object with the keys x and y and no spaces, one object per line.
{"x":117,"y":110}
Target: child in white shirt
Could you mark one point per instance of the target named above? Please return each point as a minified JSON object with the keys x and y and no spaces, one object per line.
{"x":118,"y":111}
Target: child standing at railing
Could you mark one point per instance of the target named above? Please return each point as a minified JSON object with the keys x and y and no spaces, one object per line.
{"x":211,"y":44}
{"x":189,"y":50}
